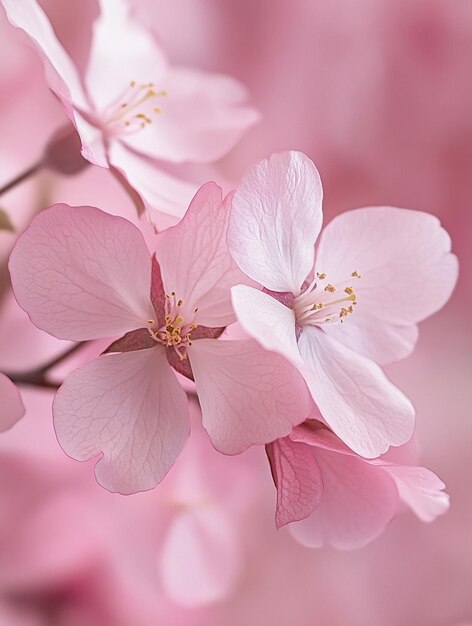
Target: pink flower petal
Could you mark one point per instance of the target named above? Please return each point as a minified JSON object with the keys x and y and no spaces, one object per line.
{"x":130,"y":409}
{"x":254,"y":308}
{"x":275,"y":219}
{"x":195,"y":261}
{"x":297,"y":478}
{"x":354,"y":396}
{"x":203,"y":117}
{"x":421,"y":489}
{"x":81,"y":273}
{"x":11,"y":406}
{"x":92,"y":140}
{"x":375,"y":338}
{"x":248,"y":395}
{"x":404,"y":259}
{"x":122,"y":51}
{"x":63,"y":75}
{"x":200,"y":557}
{"x":359,"y":500}
{"x":160,"y":190}
{"x":314,"y":433}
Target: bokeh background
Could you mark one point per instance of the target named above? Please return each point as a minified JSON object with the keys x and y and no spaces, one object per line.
{"x":379,"y":94}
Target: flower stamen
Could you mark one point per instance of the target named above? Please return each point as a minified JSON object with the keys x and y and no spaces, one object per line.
{"x":122,"y":115}
{"x":175,"y":333}
{"x":314,"y":306}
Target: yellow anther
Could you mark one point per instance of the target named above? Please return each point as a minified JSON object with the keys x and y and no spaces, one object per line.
{"x":321,"y":276}
{"x":151,"y":322}
{"x":355,"y":274}
{"x":145,"y":118}
{"x":331,"y":288}
{"x":349,"y":290}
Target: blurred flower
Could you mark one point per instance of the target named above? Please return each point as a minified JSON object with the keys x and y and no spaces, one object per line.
{"x":380,"y":270}
{"x":74,"y":554}
{"x":127,"y":122}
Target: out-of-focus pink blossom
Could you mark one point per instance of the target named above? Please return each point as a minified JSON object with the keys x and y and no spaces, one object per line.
{"x":377,"y":272}
{"x":83,"y":274}
{"x":72,"y":551}
{"x":131,"y":109}
{"x":352,"y":499}
{"x":11,"y":406}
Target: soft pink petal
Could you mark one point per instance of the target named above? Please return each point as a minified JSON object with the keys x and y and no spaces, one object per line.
{"x":195,"y":261}
{"x":375,"y":338}
{"x":248,"y":395}
{"x":404,"y":259}
{"x":128,"y":408}
{"x":275,"y":219}
{"x":314,"y":433}
{"x":162,"y":192}
{"x":254,"y":309}
{"x":65,"y":81}
{"x":92,"y":140}
{"x":203,"y":117}
{"x":81,"y":273}
{"x":122,"y":51}
{"x":11,"y":406}
{"x":297,"y":478}
{"x":354,"y":396}
{"x":421,"y":490}
{"x":200,"y":557}
{"x":359,"y":500}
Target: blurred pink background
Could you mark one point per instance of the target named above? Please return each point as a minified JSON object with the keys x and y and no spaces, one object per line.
{"x":378,"y":94}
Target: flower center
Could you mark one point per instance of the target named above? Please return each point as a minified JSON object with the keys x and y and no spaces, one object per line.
{"x":132,"y":110}
{"x":324,"y":303}
{"x":176,"y":332}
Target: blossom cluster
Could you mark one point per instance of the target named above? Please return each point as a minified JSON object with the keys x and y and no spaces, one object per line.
{"x":278,"y":328}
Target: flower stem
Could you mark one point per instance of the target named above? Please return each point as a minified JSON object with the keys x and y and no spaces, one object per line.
{"x":21,"y":177}
{"x":38,"y":376}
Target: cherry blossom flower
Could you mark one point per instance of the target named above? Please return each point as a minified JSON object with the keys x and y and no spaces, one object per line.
{"x":56,"y":547}
{"x":11,"y":406}
{"x":82,"y":274}
{"x":378,"y":271}
{"x":339,"y":498}
{"x":131,"y":109}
